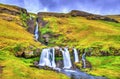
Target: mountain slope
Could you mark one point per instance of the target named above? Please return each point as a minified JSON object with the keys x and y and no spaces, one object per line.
{"x":83,"y":33}
{"x":15,"y":38}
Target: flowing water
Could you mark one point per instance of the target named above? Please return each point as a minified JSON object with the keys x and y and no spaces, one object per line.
{"x":66,"y":59}
{"x":84,"y":61}
{"x":36,"y":33}
{"x":76,"y":58}
{"x":47,"y":58}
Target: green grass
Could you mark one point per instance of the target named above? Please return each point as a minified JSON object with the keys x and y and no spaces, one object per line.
{"x":83,"y":33}
{"x":108,"y":66}
{"x":20,"y":68}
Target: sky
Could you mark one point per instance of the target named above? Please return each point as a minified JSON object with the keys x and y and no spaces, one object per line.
{"x":103,"y":7}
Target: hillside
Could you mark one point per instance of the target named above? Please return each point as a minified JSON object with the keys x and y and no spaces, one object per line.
{"x":15,"y":38}
{"x":84,"y":33}
{"x":117,"y":17}
{"x":102,"y":37}
{"x":82,"y":30}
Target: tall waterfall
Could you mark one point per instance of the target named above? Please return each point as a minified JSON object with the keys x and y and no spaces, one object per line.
{"x":47,"y":58}
{"x":36,"y":32}
{"x":66,"y":59}
{"x":83,"y":59}
{"x":76,"y":55}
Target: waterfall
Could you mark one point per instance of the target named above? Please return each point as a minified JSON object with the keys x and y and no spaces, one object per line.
{"x":66,"y":59}
{"x":47,"y":58}
{"x":83,"y":59}
{"x":76,"y":55}
{"x":53,"y":57}
{"x":36,"y":32}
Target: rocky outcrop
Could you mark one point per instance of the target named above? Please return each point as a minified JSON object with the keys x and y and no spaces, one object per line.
{"x":31,"y":25}
{"x":28,"y":53}
{"x":76,"y":13}
{"x":40,"y":20}
{"x":12,"y":10}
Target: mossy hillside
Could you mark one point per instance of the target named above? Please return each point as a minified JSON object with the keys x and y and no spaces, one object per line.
{"x":107,"y":66}
{"x":12,"y":34}
{"x":83,"y":33}
{"x":13,"y":38}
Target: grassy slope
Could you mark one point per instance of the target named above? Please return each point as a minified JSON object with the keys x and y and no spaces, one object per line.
{"x":83,"y":33}
{"x":19,"y":68}
{"x":12,"y":34}
{"x":105,"y":66}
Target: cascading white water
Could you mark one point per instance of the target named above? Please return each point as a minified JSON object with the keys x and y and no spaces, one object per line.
{"x":83,"y":59}
{"x":47,"y":58}
{"x":76,"y":55}
{"x":44,"y":59}
{"x":66,"y":58}
{"x":36,"y":32}
{"x":53,"y":64}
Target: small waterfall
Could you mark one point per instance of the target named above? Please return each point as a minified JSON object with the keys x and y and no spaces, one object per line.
{"x":83,"y":59}
{"x":47,"y":58}
{"x":66,"y":59}
{"x":76,"y":55}
{"x":36,"y":32}
{"x":52,"y":52}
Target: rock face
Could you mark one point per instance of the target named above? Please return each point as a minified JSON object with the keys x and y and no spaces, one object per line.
{"x":76,"y":13}
{"x":13,"y":10}
{"x":31,"y":25}
{"x":40,"y":20}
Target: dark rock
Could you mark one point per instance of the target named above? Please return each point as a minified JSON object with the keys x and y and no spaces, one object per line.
{"x":59,"y":64}
{"x":58,"y":53}
{"x":46,"y":38}
{"x":31,"y":25}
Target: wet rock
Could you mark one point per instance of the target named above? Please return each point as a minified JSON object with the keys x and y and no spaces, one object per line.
{"x":46,"y":38}
{"x":58,"y":53}
{"x":59,"y":64}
